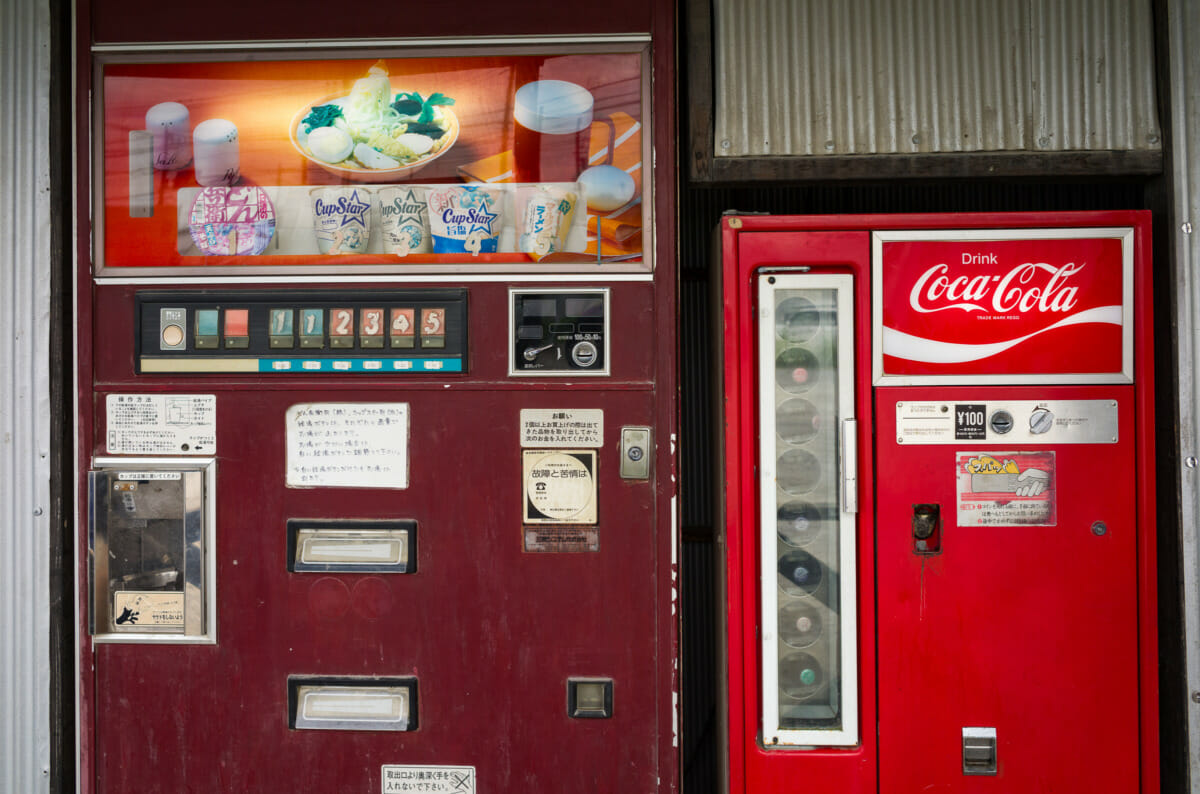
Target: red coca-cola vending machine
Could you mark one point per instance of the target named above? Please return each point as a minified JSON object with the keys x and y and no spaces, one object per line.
{"x":375,"y":416}
{"x":939,"y":529}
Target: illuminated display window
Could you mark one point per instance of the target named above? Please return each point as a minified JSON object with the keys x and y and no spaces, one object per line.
{"x":374,"y":160}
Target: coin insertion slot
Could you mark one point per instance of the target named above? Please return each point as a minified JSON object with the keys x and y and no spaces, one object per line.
{"x":352,"y":546}
{"x":151,"y":565}
{"x":352,"y":704}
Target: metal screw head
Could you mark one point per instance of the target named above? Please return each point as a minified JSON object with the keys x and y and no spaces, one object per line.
{"x":1190,"y":461}
{"x":1196,"y":697}
{"x":1099,"y":528}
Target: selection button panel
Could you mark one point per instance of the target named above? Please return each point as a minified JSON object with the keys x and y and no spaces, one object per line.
{"x":303,"y":332}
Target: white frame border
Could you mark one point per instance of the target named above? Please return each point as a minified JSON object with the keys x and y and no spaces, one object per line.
{"x":1122,"y":233}
{"x":773,"y":737}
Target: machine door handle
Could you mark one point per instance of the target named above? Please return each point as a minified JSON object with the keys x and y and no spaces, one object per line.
{"x":850,"y":465}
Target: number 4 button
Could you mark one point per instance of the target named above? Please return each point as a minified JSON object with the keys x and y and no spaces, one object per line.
{"x":403,"y":327}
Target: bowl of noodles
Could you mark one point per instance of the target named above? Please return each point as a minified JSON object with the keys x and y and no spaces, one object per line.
{"x":376,"y":133}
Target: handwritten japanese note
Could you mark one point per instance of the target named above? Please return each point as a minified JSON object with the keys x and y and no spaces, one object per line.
{"x":347,"y":445}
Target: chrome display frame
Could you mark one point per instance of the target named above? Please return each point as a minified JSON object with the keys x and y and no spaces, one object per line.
{"x":317,"y":268}
{"x":200,"y":566}
{"x":774,"y":735}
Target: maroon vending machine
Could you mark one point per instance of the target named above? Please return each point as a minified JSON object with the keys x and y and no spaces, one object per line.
{"x":375,"y":421}
{"x":939,"y":503}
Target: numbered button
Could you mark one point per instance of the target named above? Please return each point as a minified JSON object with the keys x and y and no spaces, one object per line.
{"x":312,"y":328}
{"x":341,"y":327}
{"x":282,"y":333}
{"x":370,"y":332}
{"x":433,"y":327}
{"x":403,"y":327}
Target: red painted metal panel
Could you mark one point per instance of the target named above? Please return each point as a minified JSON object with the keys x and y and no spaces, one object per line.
{"x":145,"y":20}
{"x":1031,"y":630}
{"x":499,"y":629}
{"x":751,"y":767}
{"x":1046,"y":633}
{"x":490,"y":632}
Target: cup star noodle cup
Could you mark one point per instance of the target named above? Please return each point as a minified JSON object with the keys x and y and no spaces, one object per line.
{"x":545,"y":212}
{"x":465,"y":219}
{"x":404,"y":216}
{"x":341,"y":219}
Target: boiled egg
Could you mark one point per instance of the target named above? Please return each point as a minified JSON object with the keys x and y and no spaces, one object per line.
{"x":330,"y":144}
{"x":606,"y":187}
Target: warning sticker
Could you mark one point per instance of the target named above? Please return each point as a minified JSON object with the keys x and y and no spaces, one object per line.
{"x":161,"y":424}
{"x":133,"y":610}
{"x":1006,"y":489}
{"x":560,"y":486}
{"x":427,"y":779}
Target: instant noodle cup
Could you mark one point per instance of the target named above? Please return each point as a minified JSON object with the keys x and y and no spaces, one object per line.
{"x":227,"y":221}
{"x":404,"y":215}
{"x":465,"y":219}
{"x":545,"y":212}
{"x":341,"y":219}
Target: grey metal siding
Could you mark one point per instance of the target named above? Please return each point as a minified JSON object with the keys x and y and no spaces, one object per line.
{"x":24,"y":397}
{"x":817,"y":77}
{"x":1184,"y":64}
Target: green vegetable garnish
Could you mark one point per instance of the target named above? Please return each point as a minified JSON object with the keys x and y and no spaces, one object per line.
{"x":321,"y":116}
{"x":411,"y":103}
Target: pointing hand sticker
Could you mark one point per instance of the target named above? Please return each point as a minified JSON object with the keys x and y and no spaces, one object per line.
{"x":1006,"y":489}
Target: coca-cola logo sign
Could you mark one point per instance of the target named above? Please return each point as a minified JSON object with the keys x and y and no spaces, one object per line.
{"x":1032,"y":286}
{"x":972,"y":305}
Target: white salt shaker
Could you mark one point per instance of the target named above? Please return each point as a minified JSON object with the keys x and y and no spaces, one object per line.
{"x":215,"y":144}
{"x":169,"y":124}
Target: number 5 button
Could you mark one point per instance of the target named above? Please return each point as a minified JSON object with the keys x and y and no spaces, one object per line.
{"x":433,"y":327}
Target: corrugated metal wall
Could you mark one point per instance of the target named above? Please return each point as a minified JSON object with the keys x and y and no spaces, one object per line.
{"x":24,"y":397}
{"x":815,"y":77}
{"x":1184,"y":58}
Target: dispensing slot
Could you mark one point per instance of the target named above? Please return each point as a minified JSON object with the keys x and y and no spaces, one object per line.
{"x":979,"y":751}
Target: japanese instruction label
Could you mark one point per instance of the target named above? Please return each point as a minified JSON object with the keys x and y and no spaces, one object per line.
{"x":428,"y":779}
{"x":562,"y":428}
{"x":347,"y":445}
{"x":560,"y":486}
{"x":161,"y":424}
{"x":1006,"y":489}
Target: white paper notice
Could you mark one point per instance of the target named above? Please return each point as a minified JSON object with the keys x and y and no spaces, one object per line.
{"x":161,"y":424}
{"x":564,"y":427}
{"x":347,"y":445}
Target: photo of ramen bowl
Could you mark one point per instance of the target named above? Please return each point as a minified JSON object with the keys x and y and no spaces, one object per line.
{"x":380,"y":149}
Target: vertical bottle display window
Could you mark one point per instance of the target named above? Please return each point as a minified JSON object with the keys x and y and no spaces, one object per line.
{"x":807,"y":520}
